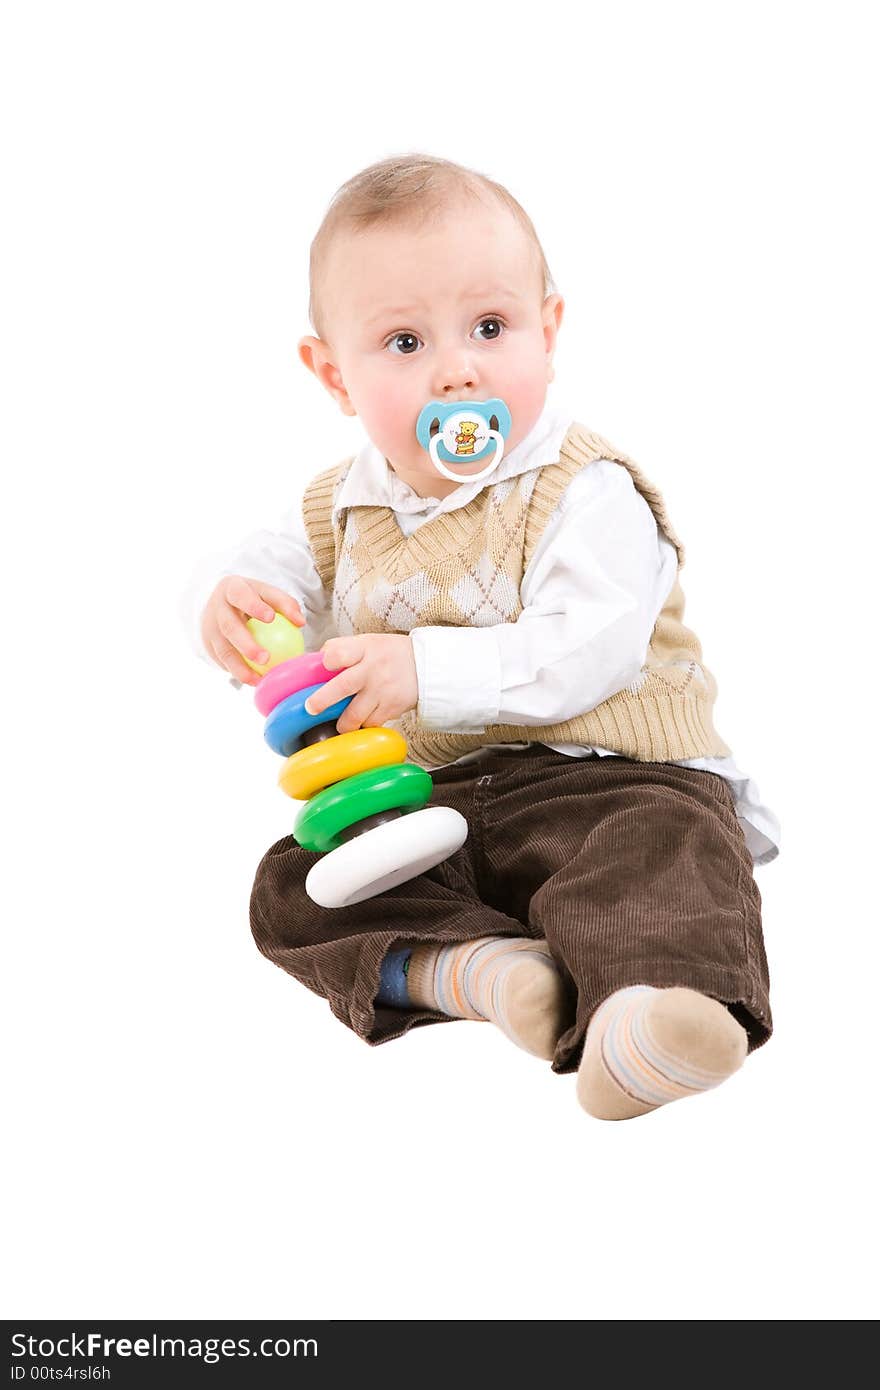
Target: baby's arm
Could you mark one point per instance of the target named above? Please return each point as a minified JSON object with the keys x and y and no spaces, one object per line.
{"x":269,"y":570}
{"x":591,"y":595}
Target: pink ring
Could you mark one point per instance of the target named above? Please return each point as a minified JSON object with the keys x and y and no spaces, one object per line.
{"x":289,"y":677}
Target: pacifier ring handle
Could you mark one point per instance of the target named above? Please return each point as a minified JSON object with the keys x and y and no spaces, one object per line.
{"x":434,"y":450}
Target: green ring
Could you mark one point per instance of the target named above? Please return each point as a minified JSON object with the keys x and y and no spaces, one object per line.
{"x":325,"y":816}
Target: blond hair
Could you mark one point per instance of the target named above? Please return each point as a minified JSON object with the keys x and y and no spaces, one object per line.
{"x":409,"y":187}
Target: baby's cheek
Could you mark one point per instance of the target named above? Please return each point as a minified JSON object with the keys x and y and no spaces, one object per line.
{"x":389,"y":416}
{"x":390,"y":412}
{"x":525,"y":391}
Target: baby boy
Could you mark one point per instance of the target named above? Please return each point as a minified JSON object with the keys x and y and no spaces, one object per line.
{"x":524,"y":631}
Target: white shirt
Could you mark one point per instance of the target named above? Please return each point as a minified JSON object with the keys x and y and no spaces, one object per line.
{"x":591,"y":595}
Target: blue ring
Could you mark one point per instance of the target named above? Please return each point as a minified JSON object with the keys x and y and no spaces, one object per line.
{"x":289,"y":721}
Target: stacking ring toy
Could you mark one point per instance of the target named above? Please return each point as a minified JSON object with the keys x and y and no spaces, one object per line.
{"x":365,"y":810}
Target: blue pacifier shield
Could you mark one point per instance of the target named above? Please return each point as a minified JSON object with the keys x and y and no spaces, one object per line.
{"x":463,"y":432}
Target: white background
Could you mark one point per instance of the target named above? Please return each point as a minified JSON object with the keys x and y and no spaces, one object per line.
{"x":191,"y":1132}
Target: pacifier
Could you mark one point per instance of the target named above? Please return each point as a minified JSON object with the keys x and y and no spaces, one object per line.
{"x":461,"y":432}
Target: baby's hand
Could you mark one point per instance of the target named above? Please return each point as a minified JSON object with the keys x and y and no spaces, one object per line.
{"x":380,"y":672}
{"x":224,"y":633}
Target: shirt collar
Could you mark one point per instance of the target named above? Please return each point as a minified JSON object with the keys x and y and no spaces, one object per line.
{"x":371,"y":482}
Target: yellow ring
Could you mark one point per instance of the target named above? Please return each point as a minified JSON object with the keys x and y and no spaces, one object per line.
{"x":316,"y":767}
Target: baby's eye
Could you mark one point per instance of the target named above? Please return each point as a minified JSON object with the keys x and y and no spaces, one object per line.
{"x":403,"y":344}
{"x":494,"y":329}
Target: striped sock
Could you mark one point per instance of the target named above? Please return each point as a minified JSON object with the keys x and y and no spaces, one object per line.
{"x":510,"y":981}
{"x":646,"y":1047}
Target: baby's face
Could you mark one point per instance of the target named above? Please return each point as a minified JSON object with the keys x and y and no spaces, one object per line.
{"x":450,"y":311}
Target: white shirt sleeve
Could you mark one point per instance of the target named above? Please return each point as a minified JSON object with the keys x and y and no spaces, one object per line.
{"x":283,"y":558}
{"x":591,"y":594}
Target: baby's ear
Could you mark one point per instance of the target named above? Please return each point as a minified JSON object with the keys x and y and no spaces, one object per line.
{"x":551,"y":315}
{"x":317,"y":355}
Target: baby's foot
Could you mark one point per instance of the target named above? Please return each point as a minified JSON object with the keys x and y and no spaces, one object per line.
{"x":646,"y":1047}
{"x":528,"y":1000}
{"x":512,"y":981}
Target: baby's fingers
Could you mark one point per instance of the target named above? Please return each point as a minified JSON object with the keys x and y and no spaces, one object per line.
{"x":245,"y":596}
{"x":347,"y":683}
{"x":239,"y":637}
{"x":229,"y":658}
{"x":282,"y":603}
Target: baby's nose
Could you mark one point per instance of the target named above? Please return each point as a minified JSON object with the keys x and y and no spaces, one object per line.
{"x":455,"y":373}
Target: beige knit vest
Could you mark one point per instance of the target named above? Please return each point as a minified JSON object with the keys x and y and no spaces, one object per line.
{"x":465,"y":568}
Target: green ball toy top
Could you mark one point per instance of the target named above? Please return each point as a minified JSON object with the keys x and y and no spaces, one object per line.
{"x":281,"y":638}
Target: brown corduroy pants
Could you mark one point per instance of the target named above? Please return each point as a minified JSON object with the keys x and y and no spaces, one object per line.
{"x":633,"y":872}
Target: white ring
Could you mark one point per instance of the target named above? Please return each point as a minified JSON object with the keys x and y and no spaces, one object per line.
{"x":379,"y":859}
{"x":434,"y":447}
